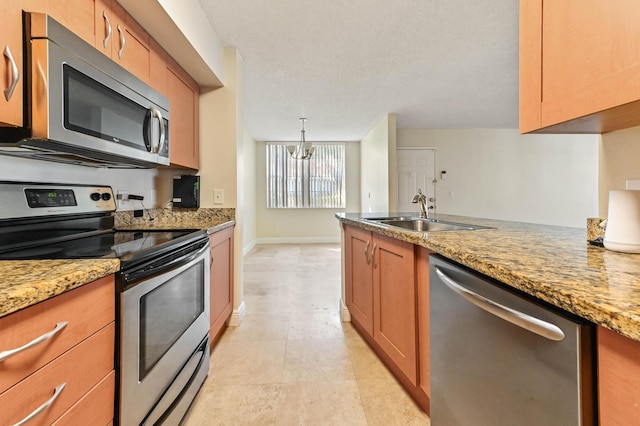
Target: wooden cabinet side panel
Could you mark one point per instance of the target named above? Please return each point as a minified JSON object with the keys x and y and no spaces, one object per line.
{"x":618,"y":379}
{"x":358,"y":280}
{"x":221,"y":279}
{"x":11,"y":37}
{"x":530,"y":65}
{"x":87,"y":309}
{"x":394,"y":300}
{"x":80,"y":368}
{"x":422,"y":284}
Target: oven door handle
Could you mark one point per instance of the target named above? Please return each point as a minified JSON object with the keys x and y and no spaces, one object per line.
{"x":162,"y":264}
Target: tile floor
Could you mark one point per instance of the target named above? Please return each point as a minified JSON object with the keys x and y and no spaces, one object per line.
{"x":291,"y":361}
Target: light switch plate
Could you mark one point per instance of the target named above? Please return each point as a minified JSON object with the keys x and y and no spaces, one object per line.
{"x":633,"y":183}
{"x":218,"y":196}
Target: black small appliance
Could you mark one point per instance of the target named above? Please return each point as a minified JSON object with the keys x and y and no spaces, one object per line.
{"x":186,"y":191}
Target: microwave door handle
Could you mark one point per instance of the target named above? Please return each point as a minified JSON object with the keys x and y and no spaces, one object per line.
{"x":157,"y":147}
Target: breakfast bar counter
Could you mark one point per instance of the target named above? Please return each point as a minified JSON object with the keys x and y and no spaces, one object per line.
{"x":551,"y":263}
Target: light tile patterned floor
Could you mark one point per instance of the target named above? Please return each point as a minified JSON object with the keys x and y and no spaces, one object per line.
{"x":291,"y":361}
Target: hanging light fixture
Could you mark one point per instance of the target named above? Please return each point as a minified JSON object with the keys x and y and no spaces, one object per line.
{"x":304,"y":150}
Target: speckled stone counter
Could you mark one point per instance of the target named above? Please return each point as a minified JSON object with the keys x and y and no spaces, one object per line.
{"x":204,"y":218}
{"x":551,"y":263}
{"x":26,"y":282}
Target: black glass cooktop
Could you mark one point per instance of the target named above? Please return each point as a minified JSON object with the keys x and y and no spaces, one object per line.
{"x":116,"y":244}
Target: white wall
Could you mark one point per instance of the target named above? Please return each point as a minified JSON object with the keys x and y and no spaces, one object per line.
{"x":619,"y":161}
{"x":500,"y":174}
{"x":304,"y":225}
{"x":248,"y":172}
{"x":378,"y":178}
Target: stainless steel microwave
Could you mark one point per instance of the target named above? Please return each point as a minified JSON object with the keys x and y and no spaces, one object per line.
{"x":83,"y":108}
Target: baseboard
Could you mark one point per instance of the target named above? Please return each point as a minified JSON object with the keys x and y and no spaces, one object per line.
{"x":298,"y":240}
{"x":345,"y":315}
{"x":246,"y":249}
{"x":237,"y":316}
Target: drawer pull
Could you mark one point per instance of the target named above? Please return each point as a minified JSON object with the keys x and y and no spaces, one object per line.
{"x":8,"y":354}
{"x":44,"y":406}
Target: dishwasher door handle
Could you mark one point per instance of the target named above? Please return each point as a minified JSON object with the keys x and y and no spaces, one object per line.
{"x":535,"y":325}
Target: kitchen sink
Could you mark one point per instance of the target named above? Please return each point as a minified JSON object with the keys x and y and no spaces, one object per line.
{"x":425,"y":225}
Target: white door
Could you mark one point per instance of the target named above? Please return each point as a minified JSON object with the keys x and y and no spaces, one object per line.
{"x":416,"y":170}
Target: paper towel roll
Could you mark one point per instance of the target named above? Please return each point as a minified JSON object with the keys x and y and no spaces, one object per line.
{"x":623,"y":224}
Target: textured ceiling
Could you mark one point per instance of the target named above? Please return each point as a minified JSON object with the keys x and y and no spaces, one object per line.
{"x":345,"y":64}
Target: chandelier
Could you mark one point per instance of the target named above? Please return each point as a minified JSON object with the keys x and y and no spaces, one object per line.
{"x":304,"y":150}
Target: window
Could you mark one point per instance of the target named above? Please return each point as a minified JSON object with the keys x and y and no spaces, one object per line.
{"x":316,"y":183}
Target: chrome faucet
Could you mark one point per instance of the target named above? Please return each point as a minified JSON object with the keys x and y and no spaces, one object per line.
{"x":421,"y":199}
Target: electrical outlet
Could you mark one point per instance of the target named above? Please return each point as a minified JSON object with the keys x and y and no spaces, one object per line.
{"x":122,"y":195}
{"x":218,"y":196}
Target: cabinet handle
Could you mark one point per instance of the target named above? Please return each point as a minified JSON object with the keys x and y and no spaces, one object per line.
{"x":373,"y":254}
{"x":11,"y":352}
{"x":108,"y":24}
{"x":15,"y":74}
{"x":366,"y":251}
{"x":47,"y":404}
{"x":123,"y":41}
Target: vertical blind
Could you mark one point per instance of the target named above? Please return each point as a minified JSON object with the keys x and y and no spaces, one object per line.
{"x":315,"y":183}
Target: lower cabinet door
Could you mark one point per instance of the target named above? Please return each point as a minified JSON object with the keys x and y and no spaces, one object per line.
{"x":68,"y":377}
{"x":358,"y":280}
{"x":394,"y":298}
{"x":95,"y":408}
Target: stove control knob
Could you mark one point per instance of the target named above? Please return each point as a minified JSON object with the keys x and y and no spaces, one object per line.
{"x":106,"y":196}
{"x":95,"y":196}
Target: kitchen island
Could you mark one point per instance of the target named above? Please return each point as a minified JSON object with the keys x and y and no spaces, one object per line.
{"x":552,"y":263}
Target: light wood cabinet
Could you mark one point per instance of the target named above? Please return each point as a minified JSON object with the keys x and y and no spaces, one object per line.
{"x":121,"y":38}
{"x":386,"y":290}
{"x":11,"y":73}
{"x":394,"y":302}
{"x":380,"y":291}
{"x":618,"y":379}
{"x":586,"y":79}
{"x":80,"y":356}
{"x":76,"y":15}
{"x":358,"y":276}
{"x":221,"y":281}
{"x":183,"y":93}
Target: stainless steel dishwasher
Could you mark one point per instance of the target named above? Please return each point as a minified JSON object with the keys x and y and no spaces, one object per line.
{"x":499,"y":357}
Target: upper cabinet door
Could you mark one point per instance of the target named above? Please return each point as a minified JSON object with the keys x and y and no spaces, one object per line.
{"x":76,"y":15}
{"x":11,"y":73}
{"x":183,"y":93}
{"x":579,"y":65}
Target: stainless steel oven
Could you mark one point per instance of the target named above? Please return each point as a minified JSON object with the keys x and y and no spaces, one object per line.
{"x":164,"y":343}
{"x":162,"y":290}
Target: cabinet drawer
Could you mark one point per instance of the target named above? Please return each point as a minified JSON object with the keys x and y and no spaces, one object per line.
{"x":81,"y":369}
{"x":87,"y":309}
{"x":95,"y":408}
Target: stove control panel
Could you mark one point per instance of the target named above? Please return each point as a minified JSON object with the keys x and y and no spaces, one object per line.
{"x":38,"y":199}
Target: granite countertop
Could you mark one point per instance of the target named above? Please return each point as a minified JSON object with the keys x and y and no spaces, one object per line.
{"x":551,"y":263}
{"x":26,"y":282}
